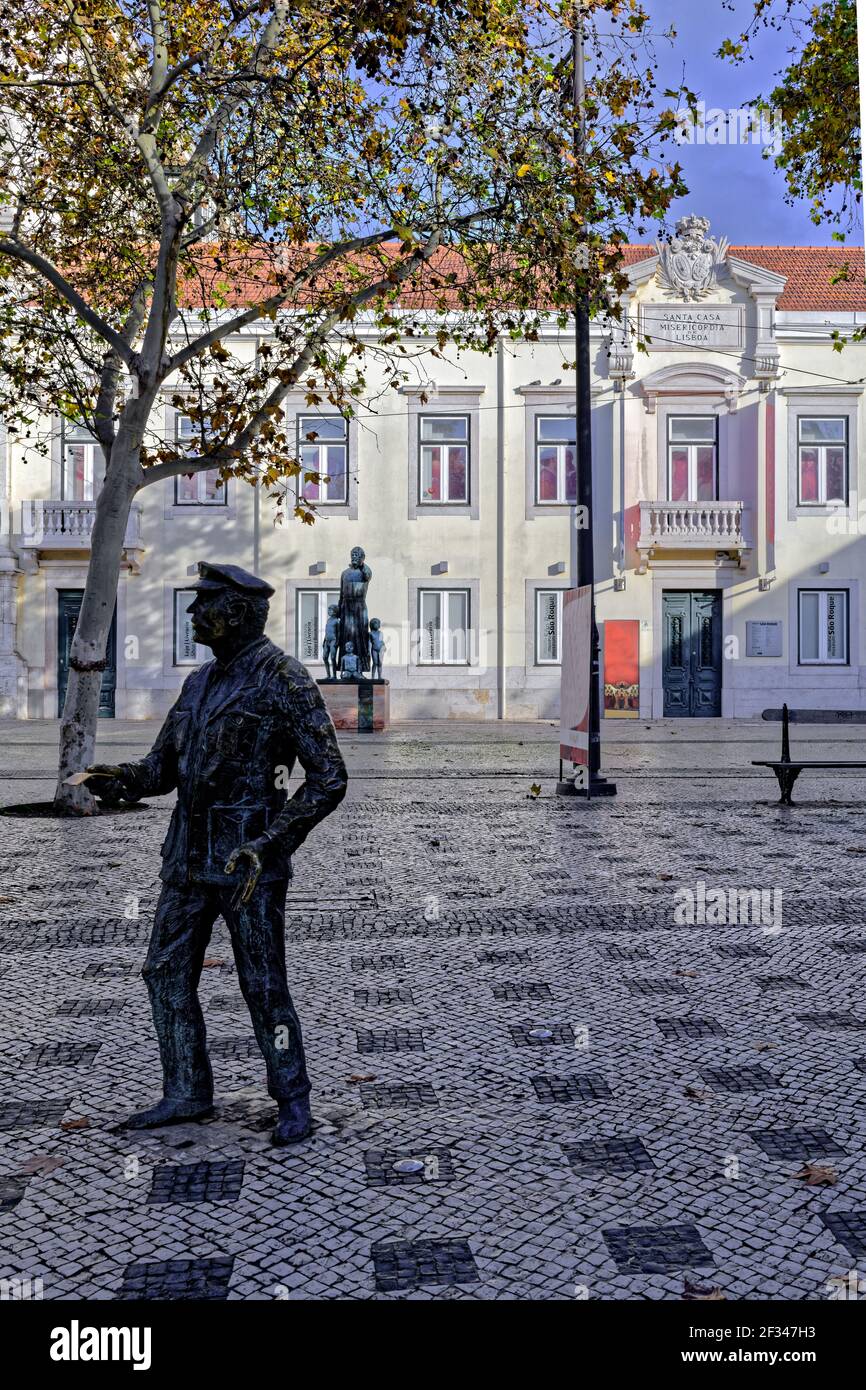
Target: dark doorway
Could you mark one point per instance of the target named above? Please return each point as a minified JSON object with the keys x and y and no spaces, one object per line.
{"x":692,"y":656}
{"x":68,"y":608}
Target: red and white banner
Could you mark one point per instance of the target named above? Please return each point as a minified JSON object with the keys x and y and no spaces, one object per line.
{"x":576,"y":663}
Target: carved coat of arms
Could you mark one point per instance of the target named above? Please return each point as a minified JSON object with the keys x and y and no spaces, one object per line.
{"x":687,"y":263}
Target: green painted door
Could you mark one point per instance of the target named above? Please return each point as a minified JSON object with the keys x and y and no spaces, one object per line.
{"x":692,"y":653}
{"x":68,"y":608}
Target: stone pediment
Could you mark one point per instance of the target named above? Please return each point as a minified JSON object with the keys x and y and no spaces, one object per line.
{"x":693,"y":379}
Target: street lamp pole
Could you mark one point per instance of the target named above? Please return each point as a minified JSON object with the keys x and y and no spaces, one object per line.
{"x":582,"y":558}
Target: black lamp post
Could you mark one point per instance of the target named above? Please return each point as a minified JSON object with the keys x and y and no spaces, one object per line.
{"x":582,"y":559}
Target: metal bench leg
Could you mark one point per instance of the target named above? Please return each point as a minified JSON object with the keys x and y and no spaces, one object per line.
{"x":786,"y":776}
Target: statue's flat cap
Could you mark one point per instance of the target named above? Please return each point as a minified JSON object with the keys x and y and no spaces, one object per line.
{"x":231,"y":577}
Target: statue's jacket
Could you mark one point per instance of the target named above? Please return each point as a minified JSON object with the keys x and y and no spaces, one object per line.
{"x":228,"y":745}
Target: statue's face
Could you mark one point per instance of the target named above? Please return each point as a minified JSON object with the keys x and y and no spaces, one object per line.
{"x":349,"y":647}
{"x":216,"y":614}
{"x":333,"y":610}
{"x":357,"y":555}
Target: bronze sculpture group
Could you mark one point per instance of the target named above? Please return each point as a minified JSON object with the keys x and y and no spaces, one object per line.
{"x":353,"y":644}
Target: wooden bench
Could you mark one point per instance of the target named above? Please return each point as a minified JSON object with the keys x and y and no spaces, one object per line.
{"x":788,"y":769}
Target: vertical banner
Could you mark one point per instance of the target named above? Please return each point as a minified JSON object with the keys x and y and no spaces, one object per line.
{"x":621,"y":668}
{"x":576,"y":657}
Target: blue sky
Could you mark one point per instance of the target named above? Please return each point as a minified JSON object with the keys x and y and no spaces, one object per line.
{"x":741,"y":193}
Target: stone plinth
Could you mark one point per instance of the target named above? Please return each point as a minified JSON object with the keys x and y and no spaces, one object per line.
{"x":363,"y":706}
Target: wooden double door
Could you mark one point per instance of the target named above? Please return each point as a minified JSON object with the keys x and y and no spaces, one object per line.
{"x":692,"y":653}
{"x":68,"y":609}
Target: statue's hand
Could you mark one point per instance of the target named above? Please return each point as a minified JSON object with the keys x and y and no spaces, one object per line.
{"x":105,"y":780}
{"x":251,"y":853}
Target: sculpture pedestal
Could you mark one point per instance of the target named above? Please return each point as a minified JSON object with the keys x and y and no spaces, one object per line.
{"x":363,"y":706}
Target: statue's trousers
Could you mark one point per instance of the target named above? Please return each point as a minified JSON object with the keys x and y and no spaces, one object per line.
{"x":181,"y":932}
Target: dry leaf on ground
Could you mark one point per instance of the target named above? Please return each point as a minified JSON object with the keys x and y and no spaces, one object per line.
{"x":817,"y":1175}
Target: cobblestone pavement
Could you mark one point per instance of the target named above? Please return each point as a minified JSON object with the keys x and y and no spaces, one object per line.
{"x":531,"y":1080}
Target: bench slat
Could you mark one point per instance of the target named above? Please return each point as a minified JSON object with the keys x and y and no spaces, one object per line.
{"x":817,"y":716}
{"x":797,"y":762}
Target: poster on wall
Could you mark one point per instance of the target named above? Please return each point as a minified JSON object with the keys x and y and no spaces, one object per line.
{"x":621,"y":668}
{"x":574,"y":697}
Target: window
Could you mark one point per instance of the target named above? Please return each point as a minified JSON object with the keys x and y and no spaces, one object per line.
{"x":443,"y":458}
{"x":312,"y":615}
{"x":82,"y":462}
{"x":822,"y":460}
{"x":548,"y":627}
{"x":323,"y":448}
{"x":444,"y":627}
{"x":823,"y":627}
{"x":555,"y":459}
{"x":201,"y":489}
{"x":187,"y":652}
{"x":693,"y":473}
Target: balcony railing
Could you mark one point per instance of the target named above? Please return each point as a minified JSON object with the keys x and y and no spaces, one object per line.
{"x":61,"y":525}
{"x":691,"y":526}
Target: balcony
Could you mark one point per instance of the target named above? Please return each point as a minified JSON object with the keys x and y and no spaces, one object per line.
{"x":692,"y":528}
{"x":51,"y":526}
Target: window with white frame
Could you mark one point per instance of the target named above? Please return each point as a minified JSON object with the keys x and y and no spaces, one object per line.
{"x":187,"y":652}
{"x":82,"y":463}
{"x":548,"y":627}
{"x":555,"y":459}
{"x":311,"y":615}
{"x":822,"y":460}
{"x":443,"y":621}
{"x":202,"y":489}
{"x":693,"y":458}
{"x":823,"y":626}
{"x":443,"y":459}
{"x":323,"y":449}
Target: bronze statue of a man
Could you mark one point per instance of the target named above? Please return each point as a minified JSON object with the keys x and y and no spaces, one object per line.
{"x":354,"y":625}
{"x":228,"y":746}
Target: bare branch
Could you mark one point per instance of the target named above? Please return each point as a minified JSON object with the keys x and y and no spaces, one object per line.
{"x":49,"y":272}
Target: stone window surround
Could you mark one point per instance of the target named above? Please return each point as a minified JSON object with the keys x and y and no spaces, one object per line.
{"x":817,"y":671}
{"x":295,"y":405}
{"x":705,"y":405}
{"x":532,"y":588}
{"x":448,"y":398}
{"x":473,"y":586}
{"x":841,"y":404}
{"x":546,"y":400}
{"x":294,"y":587}
{"x":172,"y":510}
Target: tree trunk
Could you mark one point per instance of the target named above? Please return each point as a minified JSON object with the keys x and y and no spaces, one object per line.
{"x":81,"y":707}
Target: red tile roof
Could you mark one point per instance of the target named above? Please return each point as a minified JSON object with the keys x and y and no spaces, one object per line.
{"x":236,"y":276}
{"x":809,"y":271}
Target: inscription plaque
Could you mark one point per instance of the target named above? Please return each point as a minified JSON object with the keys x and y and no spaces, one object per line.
{"x":673,"y":326}
{"x":764,"y":639}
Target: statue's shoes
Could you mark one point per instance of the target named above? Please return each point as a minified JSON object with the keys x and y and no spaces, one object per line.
{"x":294,"y":1123}
{"x":169,"y":1112}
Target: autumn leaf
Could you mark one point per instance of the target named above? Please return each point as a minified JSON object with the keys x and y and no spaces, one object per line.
{"x":534,"y":792}
{"x":355,"y":1080}
{"x":83,"y":1123}
{"x":211,"y":962}
{"x":692,"y":974}
{"x":817,"y":1175}
{"x":41,"y":1163}
{"x":694,"y":1093}
{"x":696,"y":1293}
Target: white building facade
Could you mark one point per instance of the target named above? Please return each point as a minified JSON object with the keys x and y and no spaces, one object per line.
{"x":729,"y":513}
